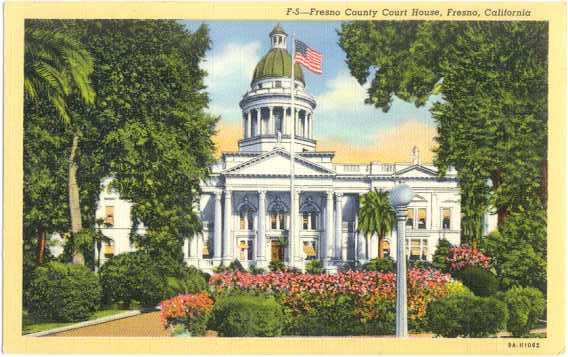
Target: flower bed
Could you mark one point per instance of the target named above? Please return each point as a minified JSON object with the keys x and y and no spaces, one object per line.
{"x":359,"y":297}
{"x":191,"y":311}
{"x":463,"y":256}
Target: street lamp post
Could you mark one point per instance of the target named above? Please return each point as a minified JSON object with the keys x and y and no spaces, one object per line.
{"x":399,"y":198}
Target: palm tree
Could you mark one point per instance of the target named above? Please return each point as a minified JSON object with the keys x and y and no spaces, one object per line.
{"x":376,"y":216}
{"x":56,"y":68}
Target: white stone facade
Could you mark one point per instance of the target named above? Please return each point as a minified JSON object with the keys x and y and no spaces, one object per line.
{"x":245,"y":203}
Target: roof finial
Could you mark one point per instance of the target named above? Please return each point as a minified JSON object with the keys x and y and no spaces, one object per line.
{"x":415,"y":156}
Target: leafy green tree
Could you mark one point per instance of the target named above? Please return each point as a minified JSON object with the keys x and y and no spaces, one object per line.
{"x":440,"y":257}
{"x":151,"y":101}
{"x":376,"y":216}
{"x":56,"y":72}
{"x":490,"y":79}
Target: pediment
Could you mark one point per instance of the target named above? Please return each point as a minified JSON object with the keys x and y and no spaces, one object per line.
{"x":277,"y":163}
{"x":416,"y":171}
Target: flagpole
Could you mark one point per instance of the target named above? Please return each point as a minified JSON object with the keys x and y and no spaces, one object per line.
{"x":291,"y":234}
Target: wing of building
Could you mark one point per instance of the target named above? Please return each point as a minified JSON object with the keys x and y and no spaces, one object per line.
{"x":245,"y":204}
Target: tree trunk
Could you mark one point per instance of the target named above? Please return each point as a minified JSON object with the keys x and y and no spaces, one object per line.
{"x":381,"y":242}
{"x":74,"y":202}
{"x":41,"y":243}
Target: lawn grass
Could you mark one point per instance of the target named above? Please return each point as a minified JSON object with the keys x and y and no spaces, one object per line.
{"x":29,"y":325}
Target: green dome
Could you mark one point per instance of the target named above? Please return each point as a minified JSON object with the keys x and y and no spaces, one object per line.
{"x":277,"y":63}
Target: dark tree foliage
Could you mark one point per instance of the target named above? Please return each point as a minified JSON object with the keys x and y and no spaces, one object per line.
{"x":147,"y":128}
{"x":492,"y":116}
{"x":152,"y":99}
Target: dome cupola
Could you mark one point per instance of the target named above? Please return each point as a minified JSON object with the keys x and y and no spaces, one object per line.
{"x":277,"y":63}
{"x":268,"y":115}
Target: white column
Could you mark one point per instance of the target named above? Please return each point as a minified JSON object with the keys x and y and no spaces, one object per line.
{"x":217,"y":227}
{"x":227,"y":239}
{"x":249,"y":124}
{"x":271,"y":124}
{"x":294,"y":243}
{"x":340,"y":248}
{"x":192,"y":241}
{"x":260,"y":124}
{"x":295,"y":120}
{"x":261,"y":235}
{"x":186,"y":250}
{"x":328,"y":252}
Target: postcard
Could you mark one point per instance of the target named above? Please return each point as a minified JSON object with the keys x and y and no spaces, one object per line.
{"x":298,"y":178}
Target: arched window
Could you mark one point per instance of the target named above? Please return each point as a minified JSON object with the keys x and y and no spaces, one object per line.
{"x":278,"y":211}
{"x":246,"y":215}
{"x":310,"y":215}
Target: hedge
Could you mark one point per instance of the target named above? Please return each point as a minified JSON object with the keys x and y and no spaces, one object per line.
{"x":132,"y":276}
{"x":526,"y":306}
{"x":247,"y":315}
{"x":63,"y":293}
{"x":478,"y":280}
{"x":466,"y":316}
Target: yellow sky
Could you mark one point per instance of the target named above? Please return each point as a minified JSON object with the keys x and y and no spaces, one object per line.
{"x":391,"y":145}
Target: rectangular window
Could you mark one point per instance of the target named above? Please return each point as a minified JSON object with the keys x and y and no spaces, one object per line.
{"x":410,"y":217}
{"x":242,"y":223}
{"x":278,"y":84}
{"x":415,"y":249}
{"x":274,"y":220}
{"x":282,"y":217}
{"x":422,"y":218}
{"x":305,"y":220}
{"x":109,"y":215}
{"x":205,"y":253}
{"x":446,"y":218}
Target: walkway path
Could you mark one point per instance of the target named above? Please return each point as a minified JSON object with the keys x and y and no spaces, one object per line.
{"x":143,"y":325}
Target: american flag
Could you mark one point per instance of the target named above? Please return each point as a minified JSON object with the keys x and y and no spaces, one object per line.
{"x":308,"y":57}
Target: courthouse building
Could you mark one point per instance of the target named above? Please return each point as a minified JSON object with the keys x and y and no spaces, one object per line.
{"x":245,"y":203}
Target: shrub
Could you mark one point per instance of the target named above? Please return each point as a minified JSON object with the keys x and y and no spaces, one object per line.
{"x":132,"y":276}
{"x":254,"y":270}
{"x":220,"y":269}
{"x":526,"y":306}
{"x":192,"y":311}
{"x":168,"y":265}
{"x":384,"y":321}
{"x":326,"y":316}
{"x":479,"y":281}
{"x":385,"y":265}
{"x":63,"y":292}
{"x":192,"y":281}
{"x":440,"y":257}
{"x":456,"y":288}
{"x":247,"y":315}
{"x":467,"y":316}
{"x":421,"y":264}
{"x":314,"y":267}
{"x":236,"y":265}
{"x":276,"y":265}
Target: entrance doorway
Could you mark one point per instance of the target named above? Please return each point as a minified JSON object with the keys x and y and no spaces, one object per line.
{"x":277,"y":251}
